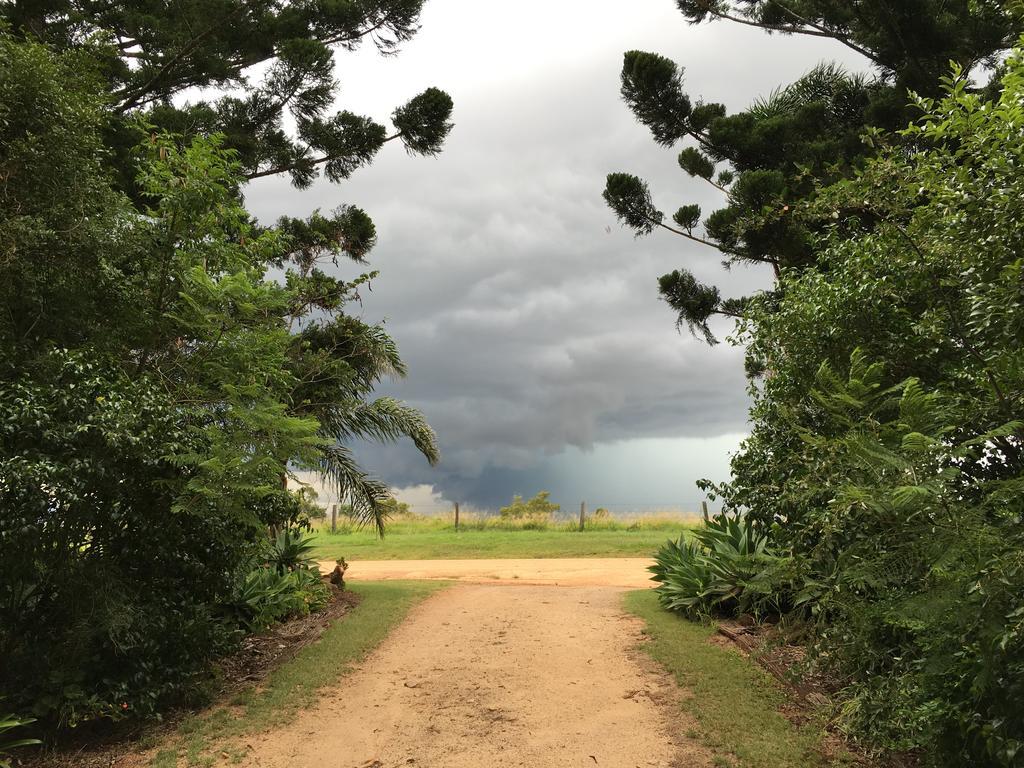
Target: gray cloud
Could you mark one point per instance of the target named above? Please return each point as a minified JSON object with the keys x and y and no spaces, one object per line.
{"x":528,"y":317}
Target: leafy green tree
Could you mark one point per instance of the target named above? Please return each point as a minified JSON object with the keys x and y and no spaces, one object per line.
{"x":141,"y":397}
{"x":769,"y":159}
{"x":187,"y":69}
{"x":166,"y":364}
{"x":885,"y":455}
{"x":396,"y":508}
{"x":537,"y":508}
{"x":309,"y":507}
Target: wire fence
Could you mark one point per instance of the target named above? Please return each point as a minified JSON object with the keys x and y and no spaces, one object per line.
{"x":616,"y":510}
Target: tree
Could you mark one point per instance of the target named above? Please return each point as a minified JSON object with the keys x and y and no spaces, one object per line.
{"x":769,"y":159}
{"x":885,"y":453}
{"x":537,"y":509}
{"x":309,"y":508}
{"x":149,"y":57}
{"x":155,"y":53}
{"x":142,"y":390}
{"x":166,"y":363}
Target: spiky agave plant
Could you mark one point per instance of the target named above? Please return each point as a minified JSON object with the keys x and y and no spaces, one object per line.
{"x":291,"y":550}
{"x":683,"y":575}
{"x":721,"y":569}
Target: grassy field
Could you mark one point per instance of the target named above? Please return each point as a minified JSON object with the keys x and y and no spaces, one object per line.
{"x":202,"y":739}
{"x":735,"y":703}
{"x":437,"y":539}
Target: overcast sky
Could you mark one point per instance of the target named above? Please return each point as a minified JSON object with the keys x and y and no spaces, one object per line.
{"x":530,"y":320}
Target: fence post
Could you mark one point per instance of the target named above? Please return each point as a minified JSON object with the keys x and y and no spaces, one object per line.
{"x":456,"y":515}
{"x":583,"y":513}
{"x":334,"y":518}
{"x":704,"y":509}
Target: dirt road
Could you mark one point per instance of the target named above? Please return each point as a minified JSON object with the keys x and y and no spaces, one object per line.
{"x":590,"y":571}
{"x":492,"y":676}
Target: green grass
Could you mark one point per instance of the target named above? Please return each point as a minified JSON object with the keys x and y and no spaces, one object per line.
{"x":291,"y":686}
{"x":734,"y":702}
{"x":437,"y":539}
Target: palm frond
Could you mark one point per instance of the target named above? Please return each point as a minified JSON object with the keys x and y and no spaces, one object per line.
{"x":827,"y":84}
{"x":385,"y":419}
{"x":375,"y":353}
{"x":360,"y":490}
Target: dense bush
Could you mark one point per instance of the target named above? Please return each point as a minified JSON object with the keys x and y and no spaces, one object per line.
{"x":154,"y":398}
{"x":886,"y":460}
{"x":309,"y":511}
{"x":112,"y":558}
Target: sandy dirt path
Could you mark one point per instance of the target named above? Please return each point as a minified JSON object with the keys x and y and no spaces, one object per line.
{"x":490,"y":676}
{"x":589,"y":571}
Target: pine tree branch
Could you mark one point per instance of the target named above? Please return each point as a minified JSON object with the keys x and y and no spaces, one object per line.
{"x":821,"y":30}
{"x":811,"y":29}
{"x":350,"y":38}
{"x":716,"y":246}
{"x":727,"y":313}
{"x":279,"y":104}
{"x":140,"y":96}
{"x":134,"y":99}
{"x":714,"y":184}
{"x":704,"y":141}
{"x":311,"y":163}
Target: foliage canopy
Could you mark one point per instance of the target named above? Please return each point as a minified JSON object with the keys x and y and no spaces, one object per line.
{"x":885,"y":459}
{"x":769,"y":160}
{"x":167,"y":361}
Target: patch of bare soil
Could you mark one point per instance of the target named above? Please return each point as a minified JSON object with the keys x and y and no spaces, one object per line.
{"x":258,"y":656}
{"x":484,"y":676}
{"x":560,"y":571}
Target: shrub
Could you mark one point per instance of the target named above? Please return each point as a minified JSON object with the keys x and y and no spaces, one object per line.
{"x":536,"y":512}
{"x":725,"y":568}
{"x":266,"y":596}
{"x":291,"y":550}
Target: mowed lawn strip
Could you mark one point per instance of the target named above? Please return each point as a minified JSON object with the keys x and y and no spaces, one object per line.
{"x":498,"y":544}
{"x":291,"y":687}
{"x":735,"y":702}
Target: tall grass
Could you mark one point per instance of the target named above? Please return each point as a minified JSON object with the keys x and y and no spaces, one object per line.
{"x":482,"y":521}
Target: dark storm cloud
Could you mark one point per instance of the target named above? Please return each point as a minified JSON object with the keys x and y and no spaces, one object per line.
{"x":529,"y":319}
